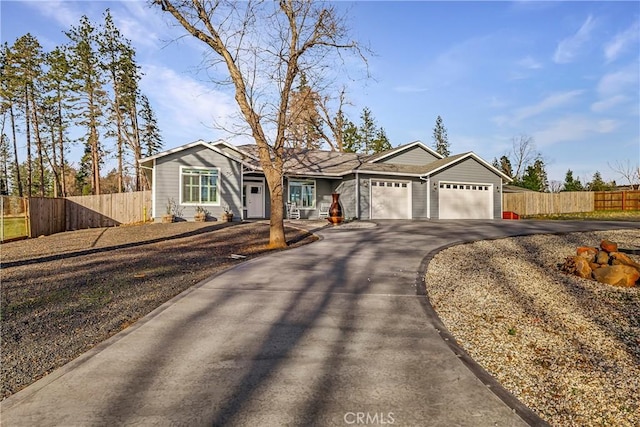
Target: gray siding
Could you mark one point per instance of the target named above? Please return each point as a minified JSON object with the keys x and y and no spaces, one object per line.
{"x":416,"y":156}
{"x":347,"y":191}
{"x":167,"y":184}
{"x":419,"y":194}
{"x":469,"y":170}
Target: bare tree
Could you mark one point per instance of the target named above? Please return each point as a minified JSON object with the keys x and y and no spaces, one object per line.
{"x":628,"y":172}
{"x":264,"y":46}
{"x":523,"y":154}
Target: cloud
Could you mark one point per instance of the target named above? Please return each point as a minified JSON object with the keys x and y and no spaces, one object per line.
{"x":621,"y":42}
{"x":186,"y":104}
{"x":608,"y":103}
{"x":569,"y":48}
{"x":549,"y":103}
{"x":573,"y":128}
{"x":60,"y":11}
{"x":618,"y":82}
{"x":529,"y":63}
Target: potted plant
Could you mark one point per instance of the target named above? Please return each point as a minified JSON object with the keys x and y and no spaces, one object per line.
{"x":170,"y":216}
{"x":227,"y":215}
{"x":200,"y":215}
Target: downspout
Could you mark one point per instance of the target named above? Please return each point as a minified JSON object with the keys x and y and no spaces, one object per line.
{"x":242,"y":190}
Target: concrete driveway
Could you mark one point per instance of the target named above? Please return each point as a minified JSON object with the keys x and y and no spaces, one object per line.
{"x":338,"y":332}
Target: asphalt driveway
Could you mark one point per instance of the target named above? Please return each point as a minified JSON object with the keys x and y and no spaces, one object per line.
{"x":338,"y":332}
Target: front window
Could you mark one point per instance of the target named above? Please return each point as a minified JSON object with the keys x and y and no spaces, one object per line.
{"x":302,"y":193}
{"x":200,"y":186}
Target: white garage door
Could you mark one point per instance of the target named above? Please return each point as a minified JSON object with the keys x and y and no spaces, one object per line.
{"x":390,"y":199}
{"x":465,"y":201}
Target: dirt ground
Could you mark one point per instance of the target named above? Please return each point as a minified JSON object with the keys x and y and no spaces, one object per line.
{"x":63,"y":294}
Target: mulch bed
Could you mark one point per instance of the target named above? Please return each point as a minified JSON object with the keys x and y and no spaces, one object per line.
{"x":63,"y":294}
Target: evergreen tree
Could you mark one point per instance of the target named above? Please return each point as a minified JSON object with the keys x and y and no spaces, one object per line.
{"x":5,"y":161}
{"x":440,"y":138}
{"x":9,"y":89}
{"x":503,"y":165}
{"x":352,"y":142}
{"x":598,"y":184}
{"x":535,"y":177}
{"x":304,"y":122}
{"x":381,"y":142}
{"x":571,"y":184}
{"x":86,"y":71}
{"x":150,"y":137}
{"x":367,"y":130}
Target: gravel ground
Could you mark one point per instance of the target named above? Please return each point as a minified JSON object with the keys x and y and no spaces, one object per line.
{"x":568,"y":348}
{"x":65,"y":293}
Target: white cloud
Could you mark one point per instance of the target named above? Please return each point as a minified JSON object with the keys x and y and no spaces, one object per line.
{"x":529,"y":63}
{"x":573,"y":128}
{"x":568,"y":49}
{"x":187,"y":105}
{"x":549,"y":103}
{"x":621,"y":42}
{"x":619,"y":82}
{"x":60,"y":11}
{"x":607,"y":103}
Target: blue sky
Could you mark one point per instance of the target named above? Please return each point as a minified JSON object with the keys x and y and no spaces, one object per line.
{"x":564,"y":73}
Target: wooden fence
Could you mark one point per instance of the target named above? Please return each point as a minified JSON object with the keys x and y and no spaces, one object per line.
{"x":107,"y":210}
{"x":41,"y":216}
{"x":532,"y":203}
{"x":617,"y":200}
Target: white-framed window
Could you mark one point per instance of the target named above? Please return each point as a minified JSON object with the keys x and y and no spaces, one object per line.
{"x":302,"y":192}
{"x":199,"y":186}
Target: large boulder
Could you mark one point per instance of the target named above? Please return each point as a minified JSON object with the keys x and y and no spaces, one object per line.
{"x":617,"y":275}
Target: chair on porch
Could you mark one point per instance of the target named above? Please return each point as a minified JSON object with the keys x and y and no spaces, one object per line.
{"x":323,"y":212}
{"x":292,"y":211}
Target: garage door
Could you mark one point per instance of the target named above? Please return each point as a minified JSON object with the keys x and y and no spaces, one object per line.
{"x":390,"y":199}
{"x":465,"y":201}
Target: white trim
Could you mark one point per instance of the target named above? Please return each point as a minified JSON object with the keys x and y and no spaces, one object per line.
{"x":428,"y":182}
{"x":409,"y":189}
{"x":315,"y":192}
{"x":218,"y":203}
{"x":357,"y":207}
{"x":154,"y":185}
{"x":400,"y":149}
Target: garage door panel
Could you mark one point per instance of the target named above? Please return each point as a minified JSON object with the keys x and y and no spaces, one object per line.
{"x":465,"y":201}
{"x":390,"y":200}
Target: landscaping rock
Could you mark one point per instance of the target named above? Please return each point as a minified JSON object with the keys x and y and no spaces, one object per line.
{"x":623,"y":259}
{"x":577,"y":265}
{"x":617,"y":275}
{"x":587,"y":252}
{"x":609,"y":246}
{"x":602,"y":258}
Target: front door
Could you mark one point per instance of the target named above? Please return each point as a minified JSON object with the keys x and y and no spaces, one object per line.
{"x":255,"y":199}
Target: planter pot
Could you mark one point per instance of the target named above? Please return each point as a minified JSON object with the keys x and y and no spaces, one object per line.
{"x":168,"y":218}
{"x":227,"y":217}
{"x":200,"y":217}
{"x":335,"y":211}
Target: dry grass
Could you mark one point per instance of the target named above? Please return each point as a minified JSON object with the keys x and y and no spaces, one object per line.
{"x":591,"y":216}
{"x":65,"y":293}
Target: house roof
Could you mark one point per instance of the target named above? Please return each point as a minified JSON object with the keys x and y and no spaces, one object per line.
{"x":311,"y":162}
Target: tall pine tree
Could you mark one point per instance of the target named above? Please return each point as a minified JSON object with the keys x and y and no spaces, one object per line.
{"x":440,"y":138}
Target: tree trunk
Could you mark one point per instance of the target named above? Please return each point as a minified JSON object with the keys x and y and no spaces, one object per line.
{"x":36,"y":128}
{"x":15,"y":150}
{"x":63,"y":184}
{"x":276,"y":226}
{"x":27,"y":122}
